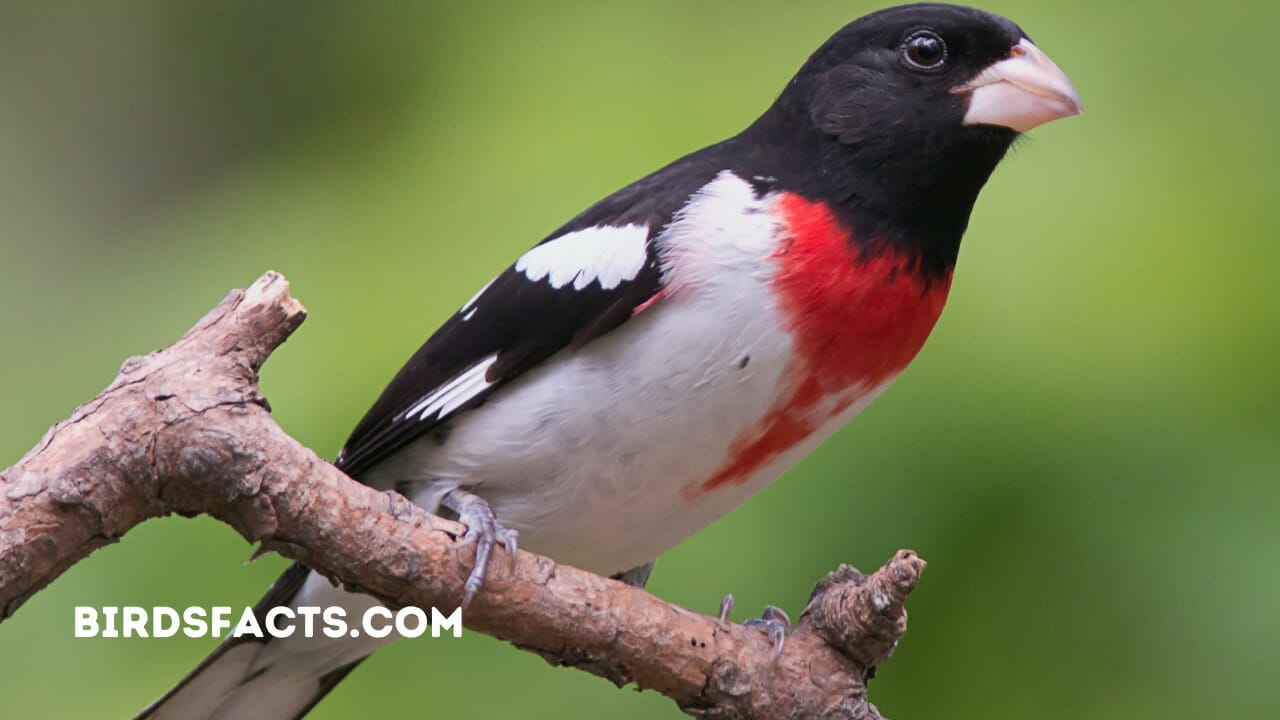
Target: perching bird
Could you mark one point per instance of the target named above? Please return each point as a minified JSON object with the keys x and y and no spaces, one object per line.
{"x":673,"y":349}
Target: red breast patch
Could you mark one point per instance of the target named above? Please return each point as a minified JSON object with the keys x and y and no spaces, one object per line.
{"x":857,"y":314}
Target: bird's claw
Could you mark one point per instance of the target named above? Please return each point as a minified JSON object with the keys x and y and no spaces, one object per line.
{"x":774,"y":622}
{"x":484,"y":530}
{"x":726,"y":607}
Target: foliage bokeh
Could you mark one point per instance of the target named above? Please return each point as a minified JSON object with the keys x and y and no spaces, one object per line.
{"x":1086,"y":451}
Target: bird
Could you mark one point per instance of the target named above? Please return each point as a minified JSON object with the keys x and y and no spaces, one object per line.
{"x":671,"y":350}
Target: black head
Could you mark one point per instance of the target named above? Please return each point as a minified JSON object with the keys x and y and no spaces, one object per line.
{"x":905,"y":113}
{"x":894,"y":74}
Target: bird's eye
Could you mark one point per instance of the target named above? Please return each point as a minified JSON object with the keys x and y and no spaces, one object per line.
{"x":924,"y":51}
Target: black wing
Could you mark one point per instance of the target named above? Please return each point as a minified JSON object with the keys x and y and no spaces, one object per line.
{"x":512,"y":325}
{"x":516,"y":323}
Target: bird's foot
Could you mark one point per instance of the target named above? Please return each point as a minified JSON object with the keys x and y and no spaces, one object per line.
{"x":773,"y":622}
{"x":485,"y":531}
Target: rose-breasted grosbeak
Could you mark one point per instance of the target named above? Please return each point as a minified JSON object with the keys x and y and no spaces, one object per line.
{"x":673,"y":349}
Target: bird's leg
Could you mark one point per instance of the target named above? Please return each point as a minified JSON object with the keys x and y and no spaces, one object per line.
{"x":773,"y":621}
{"x":483,"y":529}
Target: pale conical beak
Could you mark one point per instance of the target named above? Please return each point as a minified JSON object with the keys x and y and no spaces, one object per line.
{"x":1023,"y":91}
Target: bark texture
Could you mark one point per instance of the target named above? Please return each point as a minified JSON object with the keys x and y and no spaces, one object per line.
{"x":186,"y":430}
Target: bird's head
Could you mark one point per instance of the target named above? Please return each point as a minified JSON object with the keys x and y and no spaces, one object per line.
{"x":907,"y":111}
{"x":932,"y":69}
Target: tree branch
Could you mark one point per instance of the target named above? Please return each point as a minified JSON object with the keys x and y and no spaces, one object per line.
{"x":186,"y":430}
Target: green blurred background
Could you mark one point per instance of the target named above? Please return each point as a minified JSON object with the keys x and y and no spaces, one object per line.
{"x":1086,"y":451}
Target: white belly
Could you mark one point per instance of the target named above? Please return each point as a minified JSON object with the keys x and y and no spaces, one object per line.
{"x":592,"y":455}
{"x":586,"y":455}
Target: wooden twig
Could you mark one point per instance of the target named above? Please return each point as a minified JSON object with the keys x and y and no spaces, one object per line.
{"x":186,"y":430}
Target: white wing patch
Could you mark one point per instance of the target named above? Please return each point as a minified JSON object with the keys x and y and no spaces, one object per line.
{"x":608,"y":255}
{"x":453,"y":394}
